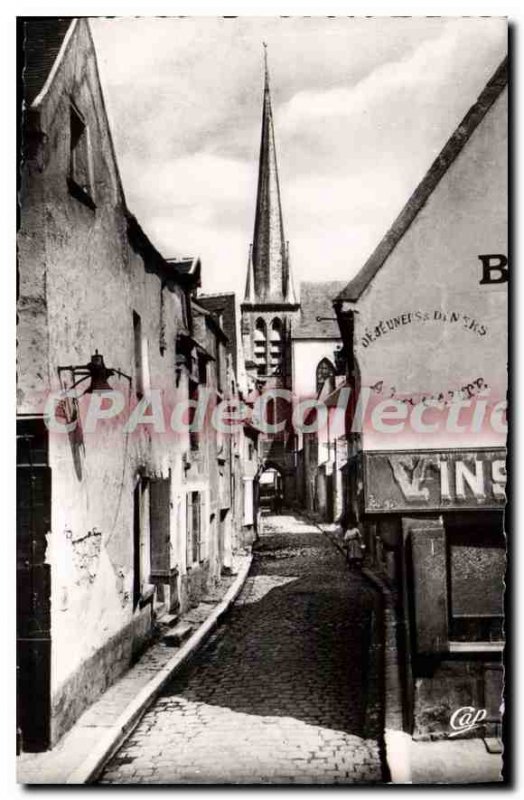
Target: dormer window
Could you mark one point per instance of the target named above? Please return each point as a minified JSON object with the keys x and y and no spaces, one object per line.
{"x":80,"y":183}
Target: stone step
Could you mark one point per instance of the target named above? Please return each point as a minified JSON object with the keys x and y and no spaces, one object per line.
{"x":228,"y":572}
{"x":175,"y":636}
{"x":168,"y":620}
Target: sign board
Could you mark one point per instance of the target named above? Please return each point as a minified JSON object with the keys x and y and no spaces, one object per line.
{"x":434,"y":480}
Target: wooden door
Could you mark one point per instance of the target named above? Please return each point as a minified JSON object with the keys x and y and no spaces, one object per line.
{"x":33,"y":611}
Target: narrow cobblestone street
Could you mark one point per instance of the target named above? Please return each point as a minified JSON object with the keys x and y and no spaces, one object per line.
{"x":286,"y":691}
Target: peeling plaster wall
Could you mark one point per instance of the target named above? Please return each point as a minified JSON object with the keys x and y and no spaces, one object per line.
{"x":79,"y":282}
{"x":435,"y":267}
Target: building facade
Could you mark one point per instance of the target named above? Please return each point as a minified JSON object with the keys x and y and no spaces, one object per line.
{"x":237,"y":445}
{"x":425,"y":327}
{"x":126,"y":510}
{"x":317,"y":364}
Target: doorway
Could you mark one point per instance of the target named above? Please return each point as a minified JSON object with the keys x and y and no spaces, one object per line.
{"x":33,"y":584}
{"x":271,"y":491}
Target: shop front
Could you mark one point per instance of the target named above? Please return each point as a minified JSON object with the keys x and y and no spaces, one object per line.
{"x":436,"y":519}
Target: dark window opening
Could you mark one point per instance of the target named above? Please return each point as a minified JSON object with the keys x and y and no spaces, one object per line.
{"x":271,"y":413}
{"x":260,"y":347}
{"x":79,"y":171}
{"x":276,"y":347}
{"x":194,"y":438}
{"x":476,"y":557}
{"x":194,"y":529}
{"x":139,"y":367}
{"x":202,"y":370}
{"x":218,"y":356}
{"x":138,"y":538}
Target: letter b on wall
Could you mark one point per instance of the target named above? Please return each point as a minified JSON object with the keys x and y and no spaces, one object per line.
{"x":494,"y":269}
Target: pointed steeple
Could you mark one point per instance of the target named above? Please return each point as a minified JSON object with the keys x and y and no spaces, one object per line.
{"x":270,"y":279}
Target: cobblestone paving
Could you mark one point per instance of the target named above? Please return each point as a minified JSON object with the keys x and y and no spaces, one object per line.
{"x":279,"y":694}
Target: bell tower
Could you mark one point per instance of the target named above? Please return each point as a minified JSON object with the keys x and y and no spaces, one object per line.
{"x":270,"y":307}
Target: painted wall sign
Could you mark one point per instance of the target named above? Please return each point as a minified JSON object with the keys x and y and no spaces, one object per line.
{"x":476,"y":387}
{"x":431,"y":480}
{"x":385,"y":326}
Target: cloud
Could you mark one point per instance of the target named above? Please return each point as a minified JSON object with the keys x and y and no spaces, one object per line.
{"x":361,"y":107}
{"x":400,"y":110}
{"x":197,"y":179}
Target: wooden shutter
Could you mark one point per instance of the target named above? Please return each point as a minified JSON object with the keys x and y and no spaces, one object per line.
{"x":197,"y":541}
{"x":428,"y":547}
{"x":189,"y":520}
{"x":159,"y":515}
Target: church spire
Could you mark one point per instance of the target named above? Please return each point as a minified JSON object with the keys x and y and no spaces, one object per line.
{"x":270,"y":279}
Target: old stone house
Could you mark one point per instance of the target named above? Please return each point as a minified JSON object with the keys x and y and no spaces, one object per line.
{"x":424,"y":324}
{"x":122,"y":516}
{"x":238,"y":446}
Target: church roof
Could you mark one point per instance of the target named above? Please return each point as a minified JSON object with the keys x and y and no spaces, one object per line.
{"x":268,"y":273}
{"x":354,"y":289}
{"x":316,"y":300}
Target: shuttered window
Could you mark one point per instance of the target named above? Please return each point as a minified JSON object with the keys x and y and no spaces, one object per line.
{"x":194,"y":528}
{"x":160,"y":540}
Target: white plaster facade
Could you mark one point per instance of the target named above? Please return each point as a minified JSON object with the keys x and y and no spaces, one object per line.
{"x":435,"y":270}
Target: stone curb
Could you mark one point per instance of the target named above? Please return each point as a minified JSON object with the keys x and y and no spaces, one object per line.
{"x":91,"y":768}
{"x":396,"y":741}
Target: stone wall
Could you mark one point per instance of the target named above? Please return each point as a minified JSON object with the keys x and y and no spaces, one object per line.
{"x":444,"y":686}
{"x":88,"y":282}
{"x":96,"y":673}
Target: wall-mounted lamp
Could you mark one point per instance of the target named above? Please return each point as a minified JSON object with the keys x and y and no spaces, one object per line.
{"x":97,"y":371}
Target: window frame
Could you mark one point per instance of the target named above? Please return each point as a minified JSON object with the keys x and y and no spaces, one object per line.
{"x":194,"y":533}
{"x":82,"y":191}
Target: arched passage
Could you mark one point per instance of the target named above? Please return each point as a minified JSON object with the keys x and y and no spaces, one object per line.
{"x":270,"y":485}
{"x":325,"y":372}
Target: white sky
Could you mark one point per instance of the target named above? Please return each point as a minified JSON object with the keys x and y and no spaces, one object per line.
{"x":361,"y":108}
